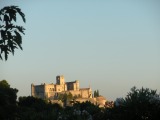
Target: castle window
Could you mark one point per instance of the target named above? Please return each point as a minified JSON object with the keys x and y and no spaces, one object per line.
{"x":51,"y":89}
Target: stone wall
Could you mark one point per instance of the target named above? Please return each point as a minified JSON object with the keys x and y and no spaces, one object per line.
{"x":51,"y":90}
{"x":38,"y":91}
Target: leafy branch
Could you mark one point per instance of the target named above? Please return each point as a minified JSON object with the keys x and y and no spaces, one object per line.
{"x":10,"y":34}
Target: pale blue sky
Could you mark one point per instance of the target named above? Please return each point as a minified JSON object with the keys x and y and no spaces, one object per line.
{"x":110,"y":45}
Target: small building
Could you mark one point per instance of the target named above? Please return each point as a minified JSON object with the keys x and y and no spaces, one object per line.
{"x":51,"y":91}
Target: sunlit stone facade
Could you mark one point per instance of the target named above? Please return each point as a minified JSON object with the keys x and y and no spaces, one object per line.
{"x":51,"y":91}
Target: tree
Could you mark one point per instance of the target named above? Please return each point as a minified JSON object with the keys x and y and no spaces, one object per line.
{"x":96,"y":93}
{"x":10,"y":34}
{"x":8,"y":104}
{"x":4,"y":84}
{"x":139,"y":104}
{"x":66,"y":98}
{"x":31,"y":108}
{"x":92,"y":109}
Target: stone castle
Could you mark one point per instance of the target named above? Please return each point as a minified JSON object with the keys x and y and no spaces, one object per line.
{"x":51,"y":91}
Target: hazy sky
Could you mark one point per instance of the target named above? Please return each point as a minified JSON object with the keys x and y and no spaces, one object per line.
{"x":106,"y":44}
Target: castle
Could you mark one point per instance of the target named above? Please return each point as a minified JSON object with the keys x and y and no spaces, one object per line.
{"x":51,"y":91}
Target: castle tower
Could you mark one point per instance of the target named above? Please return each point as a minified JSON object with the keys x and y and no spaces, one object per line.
{"x":60,"y":80}
{"x":32,"y":90}
{"x":77,"y":85}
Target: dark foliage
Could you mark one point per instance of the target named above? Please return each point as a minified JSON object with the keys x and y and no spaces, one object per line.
{"x":31,"y":108}
{"x":88,"y":106}
{"x":10,"y":34}
{"x":8,"y":104}
{"x":139,"y":104}
{"x":96,"y":93}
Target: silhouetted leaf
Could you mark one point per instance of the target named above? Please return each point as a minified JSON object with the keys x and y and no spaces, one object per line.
{"x":6,"y":52}
{"x":3,"y":34}
{"x":12,"y":46}
{"x":6,"y":18}
{"x":21,"y":13}
{"x":11,"y":26}
{"x":14,"y":18}
{"x":1,"y":41}
{"x":9,"y":35}
{"x":18,"y":39}
{"x":12,"y":14}
{"x":21,"y":29}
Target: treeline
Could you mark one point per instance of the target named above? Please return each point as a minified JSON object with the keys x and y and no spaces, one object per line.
{"x":139,"y":104}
